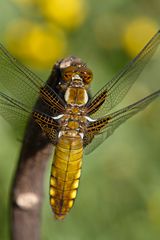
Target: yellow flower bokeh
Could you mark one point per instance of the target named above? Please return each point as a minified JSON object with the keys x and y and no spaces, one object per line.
{"x":40,"y":45}
{"x":69,"y":14}
{"x":137,"y":33}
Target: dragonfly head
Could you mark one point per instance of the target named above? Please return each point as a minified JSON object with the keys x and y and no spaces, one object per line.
{"x":69,"y":73}
{"x":77,"y":76}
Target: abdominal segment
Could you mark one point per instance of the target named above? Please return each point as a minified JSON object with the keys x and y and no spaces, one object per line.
{"x":65,"y":174}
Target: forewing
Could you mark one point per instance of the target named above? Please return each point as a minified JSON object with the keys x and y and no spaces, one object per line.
{"x":22,"y":89}
{"x":102,"y":128}
{"x":115,"y":90}
{"x":18,"y":80}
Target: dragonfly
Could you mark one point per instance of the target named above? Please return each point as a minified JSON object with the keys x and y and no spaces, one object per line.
{"x":73,"y":120}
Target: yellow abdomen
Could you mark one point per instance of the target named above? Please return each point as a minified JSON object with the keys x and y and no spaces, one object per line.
{"x":65,"y":174}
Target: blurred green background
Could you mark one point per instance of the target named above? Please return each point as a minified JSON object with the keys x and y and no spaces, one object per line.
{"x":119,"y":194}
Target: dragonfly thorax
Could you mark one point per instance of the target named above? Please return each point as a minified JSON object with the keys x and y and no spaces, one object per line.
{"x":73,"y":122}
{"x":76,"y":96}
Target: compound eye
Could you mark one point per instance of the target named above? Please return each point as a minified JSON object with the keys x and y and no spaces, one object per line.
{"x":86,"y":75}
{"x":68,"y":73}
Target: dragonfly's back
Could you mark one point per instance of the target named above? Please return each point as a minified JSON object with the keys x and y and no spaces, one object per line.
{"x":65,"y":175}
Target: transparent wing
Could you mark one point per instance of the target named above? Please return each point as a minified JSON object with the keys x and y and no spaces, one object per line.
{"x":22,"y":89}
{"x":14,"y":112}
{"x":102,"y":128}
{"x":18,"y":80}
{"x":115,"y":90}
{"x":17,"y":115}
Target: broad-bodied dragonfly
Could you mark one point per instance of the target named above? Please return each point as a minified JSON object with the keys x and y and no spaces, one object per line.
{"x":73,"y":120}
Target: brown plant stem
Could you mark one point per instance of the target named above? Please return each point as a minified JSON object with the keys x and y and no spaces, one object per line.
{"x":27,"y":188}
